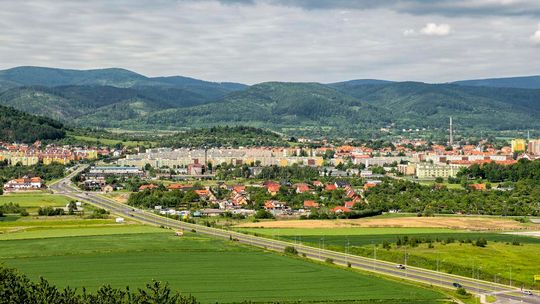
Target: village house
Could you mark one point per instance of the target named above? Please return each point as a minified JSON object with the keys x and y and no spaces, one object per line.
{"x":25,"y":183}
{"x":311,"y":205}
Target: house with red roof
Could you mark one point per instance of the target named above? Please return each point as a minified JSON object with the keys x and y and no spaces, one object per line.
{"x":148,"y":187}
{"x":341,"y":209}
{"x":311,"y":205}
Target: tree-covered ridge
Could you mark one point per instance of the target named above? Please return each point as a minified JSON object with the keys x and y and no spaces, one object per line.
{"x":16,"y":126}
{"x":224,"y":136}
{"x":18,"y":288}
{"x":124,"y":99}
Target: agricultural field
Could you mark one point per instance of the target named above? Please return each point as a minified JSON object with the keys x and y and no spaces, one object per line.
{"x":505,"y":257}
{"x":212,"y":270}
{"x":32,"y":201}
{"x":451,"y":222}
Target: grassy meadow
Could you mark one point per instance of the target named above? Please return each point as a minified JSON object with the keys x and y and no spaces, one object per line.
{"x":32,"y":201}
{"x":77,"y":254}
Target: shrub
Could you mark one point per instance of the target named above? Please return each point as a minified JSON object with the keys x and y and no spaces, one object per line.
{"x":290,"y":250}
{"x":462,"y":292}
{"x":329,"y":260}
{"x":481,"y":242}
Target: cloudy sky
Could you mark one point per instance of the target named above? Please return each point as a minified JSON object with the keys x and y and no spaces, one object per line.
{"x":261,"y":40}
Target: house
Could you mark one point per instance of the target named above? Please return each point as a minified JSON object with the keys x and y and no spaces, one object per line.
{"x":318,"y":184}
{"x":302,"y":188}
{"x":341,"y":184}
{"x":478,"y":187}
{"x":349,"y":204}
{"x":273,"y":188}
{"x":330,"y":187}
{"x":178,"y":187}
{"x":274,"y":205}
{"x":311,"y":205}
{"x":25,"y":183}
{"x":148,"y":187}
{"x":239,"y":188}
{"x":341,"y":209}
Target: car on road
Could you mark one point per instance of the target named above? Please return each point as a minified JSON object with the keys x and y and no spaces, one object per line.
{"x":400,"y":266}
{"x":457,"y":285}
{"x":528,"y":292}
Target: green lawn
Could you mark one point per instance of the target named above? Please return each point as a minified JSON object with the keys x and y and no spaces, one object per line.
{"x":32,"y":201}
{"x":210,"y":269}
{"x":454,"y":257}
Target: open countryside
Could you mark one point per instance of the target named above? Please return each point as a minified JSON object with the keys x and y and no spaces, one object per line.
{"x":269,"y":152}
{"x":192,"y":264}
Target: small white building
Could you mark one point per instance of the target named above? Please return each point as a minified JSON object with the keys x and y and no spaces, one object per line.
{"x":119,"y":220}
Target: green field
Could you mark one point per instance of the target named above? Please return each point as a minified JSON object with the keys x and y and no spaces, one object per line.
{"x":450,"y":247}
{"x":210,"y":269}
{"x":32,"y":201}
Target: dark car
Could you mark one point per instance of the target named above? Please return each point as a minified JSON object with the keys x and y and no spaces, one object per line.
{"x":456,"y":285}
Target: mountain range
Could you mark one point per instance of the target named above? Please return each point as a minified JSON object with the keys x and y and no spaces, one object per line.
{"x":125,"y":99}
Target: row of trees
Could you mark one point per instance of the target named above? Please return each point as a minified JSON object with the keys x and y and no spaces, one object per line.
{"x":408,"y":196}
{"x":46,"y":172}
{"x":18,"y":288}
{"x":523,"y":169}
{"x":164,"y":198}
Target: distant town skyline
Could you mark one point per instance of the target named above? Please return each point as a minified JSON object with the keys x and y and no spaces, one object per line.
{"x":253,"y":41}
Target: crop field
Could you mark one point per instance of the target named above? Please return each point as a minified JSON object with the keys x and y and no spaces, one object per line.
{"x":212,"y":270}
{"x":451,"y":251}
{"x":464,"y":222}
{"x":31,"y":227}
{"x":32,"y":201}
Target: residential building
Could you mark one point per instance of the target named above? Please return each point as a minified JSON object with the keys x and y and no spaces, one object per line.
{"x":519,"y":145}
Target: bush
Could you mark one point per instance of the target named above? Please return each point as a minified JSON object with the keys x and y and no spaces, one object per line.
{"x":50,"y":211}
{"x":481,"y":242}
{"x":329,"y":260}
{"x":290,"y":250}
{"x":462,"y":292}
{"x":263,"y":214}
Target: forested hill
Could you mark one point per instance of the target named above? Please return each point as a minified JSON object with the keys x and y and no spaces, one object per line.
{"x":525,"y":82}
{"x":127,"y":100}
{"x":16,"y":126}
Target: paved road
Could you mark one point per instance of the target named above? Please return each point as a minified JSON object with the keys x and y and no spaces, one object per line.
{"x":410,"y":273}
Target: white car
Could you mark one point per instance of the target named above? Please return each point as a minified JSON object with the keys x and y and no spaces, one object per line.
{"x":528,"y":292}
{"x":400,"y":266}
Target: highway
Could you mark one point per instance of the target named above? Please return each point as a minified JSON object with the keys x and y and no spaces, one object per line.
{"x":504,"y":293}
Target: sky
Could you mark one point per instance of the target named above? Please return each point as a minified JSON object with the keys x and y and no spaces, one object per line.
{"x":252,"y":41}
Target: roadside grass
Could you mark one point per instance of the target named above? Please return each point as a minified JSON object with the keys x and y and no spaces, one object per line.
{"x":212,"y":270}
{"x":61,"y":232}
{"x":32,"y":201}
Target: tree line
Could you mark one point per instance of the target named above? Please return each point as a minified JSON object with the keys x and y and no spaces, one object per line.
{"x":18,"y":288}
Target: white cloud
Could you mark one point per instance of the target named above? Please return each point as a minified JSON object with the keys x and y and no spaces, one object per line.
{"x":409,"y":32}
{"x":535,"y":38}
{"x":433,"y":29}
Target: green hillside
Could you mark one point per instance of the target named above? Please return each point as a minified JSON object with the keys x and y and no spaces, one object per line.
{"x":279,"y":105}
{"x":127,"y":100}
{"x":16,"y":126}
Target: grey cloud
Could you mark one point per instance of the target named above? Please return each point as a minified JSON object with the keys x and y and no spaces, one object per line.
{"x":418,"y":7}
{"x":251,"y":42}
